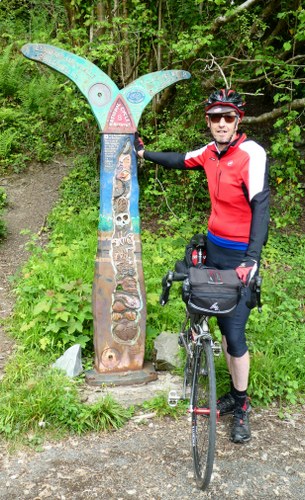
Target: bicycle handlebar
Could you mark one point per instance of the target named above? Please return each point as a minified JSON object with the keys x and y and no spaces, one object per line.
{"x":171,"y":276}
{"x":167,"y":283}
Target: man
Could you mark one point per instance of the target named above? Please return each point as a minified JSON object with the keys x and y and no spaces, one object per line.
{"x":237,"y":174}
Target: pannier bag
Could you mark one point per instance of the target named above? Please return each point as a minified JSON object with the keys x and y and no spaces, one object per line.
{"x":212,"y":292}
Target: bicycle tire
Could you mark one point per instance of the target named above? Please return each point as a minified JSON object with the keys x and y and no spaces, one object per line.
{"x":203,"y":411}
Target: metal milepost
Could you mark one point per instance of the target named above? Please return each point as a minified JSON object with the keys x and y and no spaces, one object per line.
{"x":119,"y":305}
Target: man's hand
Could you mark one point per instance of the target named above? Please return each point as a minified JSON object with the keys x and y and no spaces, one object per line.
{"x":138,"y":145}
{"x":246,"y":270}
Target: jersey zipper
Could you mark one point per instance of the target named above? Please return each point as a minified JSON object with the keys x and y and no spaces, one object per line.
{"x":216,"y":191}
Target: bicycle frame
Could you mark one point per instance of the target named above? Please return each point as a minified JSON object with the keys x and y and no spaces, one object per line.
{"x":199,"y":376}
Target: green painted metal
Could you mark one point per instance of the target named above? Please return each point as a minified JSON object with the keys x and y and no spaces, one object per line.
{"x":100,"y":91}
{"x":119,"y":304}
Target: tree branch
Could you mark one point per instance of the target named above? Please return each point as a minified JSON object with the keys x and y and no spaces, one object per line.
{"x":226,"y":19}
{"x":275,"y":113}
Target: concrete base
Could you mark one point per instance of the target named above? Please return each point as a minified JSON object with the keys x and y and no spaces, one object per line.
{"x":147,"y":374}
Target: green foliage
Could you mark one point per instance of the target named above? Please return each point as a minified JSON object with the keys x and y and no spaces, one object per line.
{"x":40,"y":115}
{"x":3,"y":203}
{"x":3,"y":229}
{"x":80,"y":189}
{"x":286,"y":171}
{"x":160,"y":406}
{"x":159,"y":253}
{"x":276,"y":337}
{"x":53,"y":309}
{"x":64,"y":315}
{"x":45,"y":400}
{"x":3,"y":198}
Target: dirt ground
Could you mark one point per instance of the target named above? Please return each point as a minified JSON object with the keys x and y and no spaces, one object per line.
{"x":149,"y":458}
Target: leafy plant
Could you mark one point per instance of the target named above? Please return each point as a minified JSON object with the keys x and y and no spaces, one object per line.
{"x":160,"y":406}
{"x":61,"y":317}
{"x":3,"y":203}
{"x":286,"y":171}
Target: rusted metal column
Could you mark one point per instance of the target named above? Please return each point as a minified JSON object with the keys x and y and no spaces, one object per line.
{"x":119,"y":305}
{"x":118,"y":290}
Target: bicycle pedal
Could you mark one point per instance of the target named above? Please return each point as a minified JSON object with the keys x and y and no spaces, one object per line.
{"x":173,"y":398}
{"x":217,"y":349}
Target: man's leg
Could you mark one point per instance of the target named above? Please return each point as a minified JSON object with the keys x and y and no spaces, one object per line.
{"x":236,"y":400}
{"x":238,"y":368}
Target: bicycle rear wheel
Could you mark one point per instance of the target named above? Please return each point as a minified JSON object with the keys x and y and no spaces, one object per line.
{"x":203,"y":404}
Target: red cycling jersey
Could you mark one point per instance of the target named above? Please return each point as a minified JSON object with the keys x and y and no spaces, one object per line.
{"x":238,"y":187}
{"x":233,"y":180}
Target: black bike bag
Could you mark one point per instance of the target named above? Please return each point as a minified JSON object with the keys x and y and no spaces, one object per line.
{"x":212,"y":292}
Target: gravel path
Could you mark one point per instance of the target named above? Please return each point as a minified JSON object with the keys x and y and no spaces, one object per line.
{"x":149,"y":458}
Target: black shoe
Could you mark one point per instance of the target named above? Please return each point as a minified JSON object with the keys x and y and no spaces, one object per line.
{"x":241,"y":426}
{"x":226,"y":404}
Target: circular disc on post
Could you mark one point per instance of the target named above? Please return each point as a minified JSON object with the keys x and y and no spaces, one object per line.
{"x":99,"y":94}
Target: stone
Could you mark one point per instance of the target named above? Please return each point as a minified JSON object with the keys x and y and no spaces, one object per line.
{"x":166,"y":355}
{"x":70,"y":361}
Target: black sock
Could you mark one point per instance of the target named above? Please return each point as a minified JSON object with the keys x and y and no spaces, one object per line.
{"x":231,"y":386}
{"x":239,"y":396}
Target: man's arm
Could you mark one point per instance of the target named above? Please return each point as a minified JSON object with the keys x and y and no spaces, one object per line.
{"x":167,"y":160}
{"x":258,"y":192}
{"x":259,"y":226}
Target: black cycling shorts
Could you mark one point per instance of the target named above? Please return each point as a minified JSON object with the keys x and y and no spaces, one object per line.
{"x":232,"y":327}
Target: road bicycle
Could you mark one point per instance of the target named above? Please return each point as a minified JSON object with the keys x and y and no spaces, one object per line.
{"x":199,"y":383}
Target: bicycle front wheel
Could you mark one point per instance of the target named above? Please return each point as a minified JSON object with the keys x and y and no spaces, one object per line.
{"x":203,"y":405}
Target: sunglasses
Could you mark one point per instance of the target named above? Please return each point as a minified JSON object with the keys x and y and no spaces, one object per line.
{"x":217,"y":117}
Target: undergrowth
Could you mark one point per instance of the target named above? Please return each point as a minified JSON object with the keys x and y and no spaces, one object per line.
{"x":3,"y":203}
{"x":38,"y":398}
{"x":53,"y":312}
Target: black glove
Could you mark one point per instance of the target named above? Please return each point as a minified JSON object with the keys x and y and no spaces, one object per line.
{"x":138,"y":143}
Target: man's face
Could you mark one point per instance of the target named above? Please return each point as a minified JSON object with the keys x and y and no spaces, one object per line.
{"x":223,"y":126}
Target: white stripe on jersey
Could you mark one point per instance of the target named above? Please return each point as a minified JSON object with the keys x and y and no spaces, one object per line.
{"x":197,"y":152}
{"x":257,"y":166}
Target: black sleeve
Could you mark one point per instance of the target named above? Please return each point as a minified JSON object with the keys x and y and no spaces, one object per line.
{"x":167,"y":160}
{"x":260,"y":221}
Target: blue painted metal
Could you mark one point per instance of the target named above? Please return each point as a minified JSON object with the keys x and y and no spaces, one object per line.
{"x":100,"y":91}
{"x":119,"y":305}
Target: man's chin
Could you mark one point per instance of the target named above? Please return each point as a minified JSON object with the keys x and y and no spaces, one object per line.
{"x":222,"y":141}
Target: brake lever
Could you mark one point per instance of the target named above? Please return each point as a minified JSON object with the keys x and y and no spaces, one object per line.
{"x":166,"y":285}
{"x":258,"y":283}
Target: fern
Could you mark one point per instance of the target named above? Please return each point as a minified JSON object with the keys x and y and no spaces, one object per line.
{"x":11,"y":73}
{"x":6,"y":142}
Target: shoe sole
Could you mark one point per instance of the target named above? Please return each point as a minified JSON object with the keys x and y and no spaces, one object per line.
{"x":239,"y":441}
{"x":228,"y":412}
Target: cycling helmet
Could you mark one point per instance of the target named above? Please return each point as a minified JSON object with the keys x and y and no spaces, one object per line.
{"x":225,"y":98}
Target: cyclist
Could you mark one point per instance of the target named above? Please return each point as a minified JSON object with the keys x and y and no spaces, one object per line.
{"x":237,"y":174}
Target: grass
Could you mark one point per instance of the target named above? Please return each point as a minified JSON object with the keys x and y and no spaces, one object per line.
{"x":53,"y":312}
{"x":36,"y":398}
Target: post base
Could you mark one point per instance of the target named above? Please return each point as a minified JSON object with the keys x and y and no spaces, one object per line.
{"x":147,"y":374}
